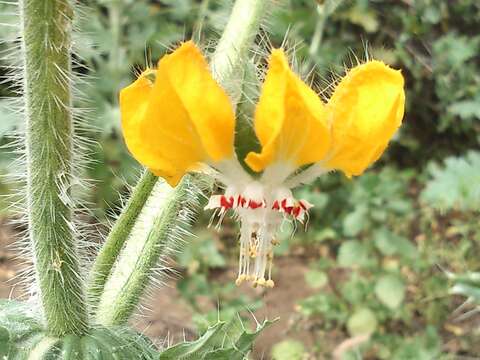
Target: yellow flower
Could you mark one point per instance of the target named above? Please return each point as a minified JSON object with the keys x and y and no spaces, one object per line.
{"x":364,"y":112}
{"x":290,"y":120}
{"x":349,"y":133}
{"x":177,"y":116}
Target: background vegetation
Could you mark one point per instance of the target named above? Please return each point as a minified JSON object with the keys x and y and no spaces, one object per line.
{"x":381,"y":250}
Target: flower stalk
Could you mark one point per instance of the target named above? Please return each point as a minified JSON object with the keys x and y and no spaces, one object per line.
{"x":151,"y":238}
{"x":46,"y":49}
{"x":231,"y":54}
{"x":119,"y":233}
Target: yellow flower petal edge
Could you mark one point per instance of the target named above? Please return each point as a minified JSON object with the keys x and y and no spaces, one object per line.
{"x":180,"y":119}
{"x":134,"y":100}
{"x":365,"y":110}
{"x":290,"y":119}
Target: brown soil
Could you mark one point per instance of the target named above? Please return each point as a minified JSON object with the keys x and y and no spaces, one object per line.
{"x":169,"y":317}
{"x":9,"y":266}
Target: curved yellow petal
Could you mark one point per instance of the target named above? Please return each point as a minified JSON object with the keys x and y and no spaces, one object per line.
{"x":207,"y":104}
{"x":365,"y":110}
{"x":178,"y":119}
{"x":290,"y":119}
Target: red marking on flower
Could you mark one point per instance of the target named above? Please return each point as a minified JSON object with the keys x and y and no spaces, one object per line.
{"x":241,"y":201}
{"x":296,"y":211}
{"x":287,"y":209}
{"x":226,"y":203}
{"x":252,"y":204}
{"x":276,"y":205}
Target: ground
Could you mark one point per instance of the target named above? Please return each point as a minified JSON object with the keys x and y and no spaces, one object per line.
{"x":167,"y":317}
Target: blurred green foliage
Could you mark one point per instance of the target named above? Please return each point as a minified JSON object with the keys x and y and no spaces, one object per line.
{"x":389,"y":238}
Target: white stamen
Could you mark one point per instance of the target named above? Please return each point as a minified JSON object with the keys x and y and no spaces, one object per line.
{"x":261,"y":207}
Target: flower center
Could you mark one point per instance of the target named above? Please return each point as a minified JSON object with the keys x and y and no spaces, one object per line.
{"x":261,"y":211}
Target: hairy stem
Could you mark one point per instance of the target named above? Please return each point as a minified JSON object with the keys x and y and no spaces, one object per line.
{"x":115,"y":9}
{"x":202,"y":14}
{"x":324,"y":10}
{"x":152,"y":237}
{"x":118,"y":235}
{"x":131,"y":276}
{"x":232,"y":50}
{"x":46,"y":28}
{"x":318,"y":34}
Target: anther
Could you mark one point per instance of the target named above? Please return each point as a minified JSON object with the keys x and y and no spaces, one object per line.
{"x":240,"y":279}
{"x":261,"y":282}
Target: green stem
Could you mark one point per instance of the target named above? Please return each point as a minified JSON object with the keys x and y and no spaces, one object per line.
{"x":129,"y":279}
{"x":114,"y":17}
{"x":164,"y":214}
{"x":232,"y":51}
{"x":198,"y":27}
{"x":319,"y":28}
{"x":46,"y":45}
{"x":324,"y":10}
{"x":118,"y":235}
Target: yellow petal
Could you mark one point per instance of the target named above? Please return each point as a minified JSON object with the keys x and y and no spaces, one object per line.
{"x":180,"y":119}
{"x":365,"y":110}
{"x":207,"y":103}
{"x":290,"y":120}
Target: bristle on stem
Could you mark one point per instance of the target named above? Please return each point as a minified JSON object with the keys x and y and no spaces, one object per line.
{"x":46,"y":49}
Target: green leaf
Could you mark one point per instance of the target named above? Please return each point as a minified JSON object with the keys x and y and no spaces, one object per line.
{"x":316,"y":279}
{"x":4,"y":342}
{"x":471,"y":278}
{"x":352,"y":253}
{"x":224,"y":354}
{"x":288,"y":350}
{"x":356,"y":289}
{"x":453,"y":51}
{"x":390,"y":244}
{"x":364,"y":18}
{"x":390,"y":290}
{"x":216,"y":343}
{"x":317,"y":198}
{"x":355,"y":222}
{"x":324,"y":234}
{"x":362,"y":322}
{"x":456,"y":185}
{"x":466,"y":109}
{"x":195,"y":349}
{"x":425,"y":346}
{"x":467,"y":290}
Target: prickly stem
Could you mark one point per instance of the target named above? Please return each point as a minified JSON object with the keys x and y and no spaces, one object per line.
{"x":233,"y":48}
{"x":46,"y":49}
{"x":168,"y":213}
{"x":119,"y":233}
